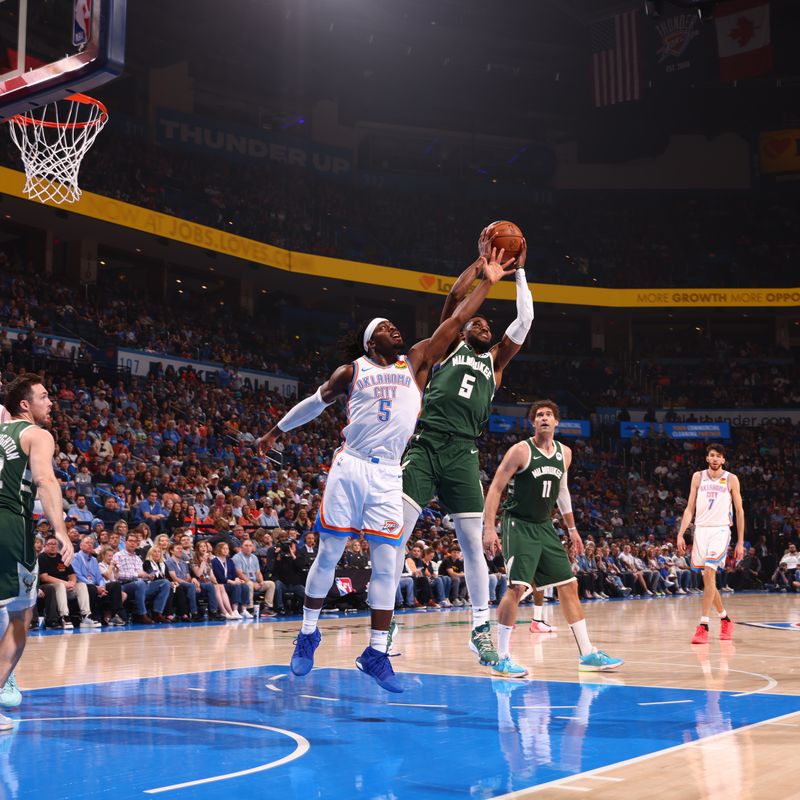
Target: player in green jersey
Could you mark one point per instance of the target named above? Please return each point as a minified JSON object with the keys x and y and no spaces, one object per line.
{"x":535,"y":471}
{"x":441,"y":459}
{"x":26,"y":465}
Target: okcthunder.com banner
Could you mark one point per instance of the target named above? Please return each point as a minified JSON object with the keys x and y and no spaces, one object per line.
{"x":505,"y":423}
{"x":676,"y":430}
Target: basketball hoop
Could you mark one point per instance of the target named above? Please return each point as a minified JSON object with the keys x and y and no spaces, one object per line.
{"x":53,"y":140}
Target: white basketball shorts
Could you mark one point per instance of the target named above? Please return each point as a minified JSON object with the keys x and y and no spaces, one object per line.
{"x":710,"y":546}
{"x":362,"y":496}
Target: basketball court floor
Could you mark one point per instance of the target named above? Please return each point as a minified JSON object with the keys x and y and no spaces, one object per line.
{"x":212,"y":711}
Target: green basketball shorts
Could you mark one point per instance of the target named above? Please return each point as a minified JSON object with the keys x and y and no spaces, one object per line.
{"x":443,"y":466}
{"x":534,"y":553}
{"x":18,"y":566}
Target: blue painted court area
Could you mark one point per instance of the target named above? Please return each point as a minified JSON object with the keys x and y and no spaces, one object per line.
{"x":335,"y":733}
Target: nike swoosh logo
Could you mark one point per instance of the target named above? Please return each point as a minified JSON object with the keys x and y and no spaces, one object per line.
{"x":472,"y":452}
{"x":366,"y":369}
{"x":405,"y":464}
{"x":536,"y":458}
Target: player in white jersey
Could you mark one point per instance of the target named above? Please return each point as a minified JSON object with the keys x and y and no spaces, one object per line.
{"x":363,"y":493}
{"x":714,"y":493}
{"x":10,"y":695}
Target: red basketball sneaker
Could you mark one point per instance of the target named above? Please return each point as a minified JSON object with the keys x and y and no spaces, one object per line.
{"x":700,"y":635}
{"x":726,"y":630}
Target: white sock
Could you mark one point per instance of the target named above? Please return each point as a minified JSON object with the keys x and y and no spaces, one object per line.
{"x":723,"y":614}
{"x":504,"y":640}
{"x":310,"y":619}
{"x":538,"y":613}
{"x":581,"y":637}
{"x":704,"y":620}
{"x":479,"y":616}
{"x":379,"y":640}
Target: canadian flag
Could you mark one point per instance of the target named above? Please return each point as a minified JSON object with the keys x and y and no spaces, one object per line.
{"x":743,"y":38}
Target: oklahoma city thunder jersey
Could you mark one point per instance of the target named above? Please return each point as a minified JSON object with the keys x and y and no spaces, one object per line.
{"x":713,"y":507}
{"x":382,"y":408}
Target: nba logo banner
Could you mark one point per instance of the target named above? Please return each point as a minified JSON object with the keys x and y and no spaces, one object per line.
{"x":82,"y":22}
{"x":344,"y":586}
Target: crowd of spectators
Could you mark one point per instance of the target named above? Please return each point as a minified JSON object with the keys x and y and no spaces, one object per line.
{"x":593,"y":239}
{"x":164,"y":467}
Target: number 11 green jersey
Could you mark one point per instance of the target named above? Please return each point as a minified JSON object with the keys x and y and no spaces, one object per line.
{"x":533,"y":491}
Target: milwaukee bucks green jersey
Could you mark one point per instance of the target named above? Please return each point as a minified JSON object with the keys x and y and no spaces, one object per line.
{"x":16,"y":487}
{"x":458,"y":397}
{"x":533,"y":491}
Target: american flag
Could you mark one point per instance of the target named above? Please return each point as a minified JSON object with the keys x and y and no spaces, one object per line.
{"x":615,"y":59}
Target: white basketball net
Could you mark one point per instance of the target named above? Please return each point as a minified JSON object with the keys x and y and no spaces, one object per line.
{"x":53,"y":140}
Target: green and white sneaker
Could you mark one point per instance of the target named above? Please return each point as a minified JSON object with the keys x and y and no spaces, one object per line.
{"x":480,"y":642}
{"x":10,"y":695}
{"x":394,"y":630}
{"x":506,"y":668}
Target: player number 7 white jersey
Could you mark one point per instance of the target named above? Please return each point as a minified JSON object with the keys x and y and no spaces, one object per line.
{"x":714,"y":502}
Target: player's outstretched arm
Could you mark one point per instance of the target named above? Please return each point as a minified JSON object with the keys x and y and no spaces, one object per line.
{"x":458,"y":291}
{"x":736,"y":496}
{"x":423,"y":355}
{"x":310,"y":408}
{"x":688,"y":513}
{"x":518,"y":330}
{"x":40,"y":457}
{"x":513,"y":461}
{"x":564,"y":501}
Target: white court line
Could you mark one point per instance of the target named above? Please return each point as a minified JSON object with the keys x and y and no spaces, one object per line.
{"x":417,"y":705}
{"x":544,"y":706}
{"x":301,"y":742}
{"x":665,"y":702}
{"x":315,"y":697}
{"x":557,"y":783}
{"x":272,"y":688}
{"x":276,"y":677}
{"x":603,"y":778}
{"x":194,"y":689}
{"x":567,"y":717}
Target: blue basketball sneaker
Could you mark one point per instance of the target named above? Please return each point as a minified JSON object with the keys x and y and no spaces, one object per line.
{"x":598,"y":661}
{"x":377,"y":665}
{"x":10,"y":695}
{"x":506,"y":668}
{"x":303,"y":657}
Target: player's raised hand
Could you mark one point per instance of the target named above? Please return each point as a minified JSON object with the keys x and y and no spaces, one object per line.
{"x":522,"y":255}
{"x":496,"y":269}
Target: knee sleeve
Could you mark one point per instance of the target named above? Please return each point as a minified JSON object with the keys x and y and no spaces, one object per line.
{"x":469,"y":531}
{"x":383,"y":583}
{"x":321,"y":574}
{"x":3,"y":621}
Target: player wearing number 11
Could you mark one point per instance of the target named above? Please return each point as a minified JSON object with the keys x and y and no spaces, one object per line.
{"x":535,"y":472}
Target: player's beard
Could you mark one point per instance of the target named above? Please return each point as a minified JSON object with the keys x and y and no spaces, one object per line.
{"x":478,"y":345}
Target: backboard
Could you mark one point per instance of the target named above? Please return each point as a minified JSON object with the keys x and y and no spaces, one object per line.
{"x":53,"y":48}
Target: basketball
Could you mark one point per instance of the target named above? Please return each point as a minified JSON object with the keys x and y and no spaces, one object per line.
{"x":505,"y":235}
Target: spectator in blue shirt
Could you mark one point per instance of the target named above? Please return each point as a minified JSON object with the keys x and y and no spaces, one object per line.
{"x":153,"y":513}
{"x":104,"y":597}
{"x":79,"y":511}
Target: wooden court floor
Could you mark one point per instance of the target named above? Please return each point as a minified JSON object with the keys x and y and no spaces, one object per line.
{"x":749,"y":762}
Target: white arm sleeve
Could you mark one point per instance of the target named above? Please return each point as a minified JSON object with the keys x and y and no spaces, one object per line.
{"x":564,"y":500}
{"x":303,"y":412}
{"x":518,"y":329}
